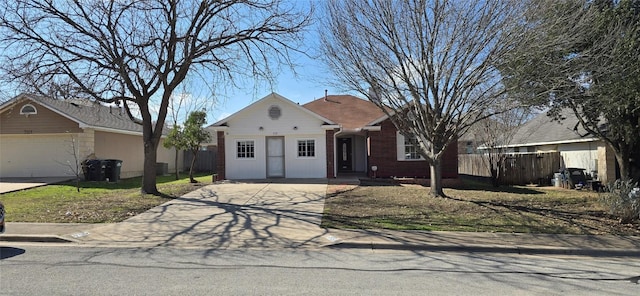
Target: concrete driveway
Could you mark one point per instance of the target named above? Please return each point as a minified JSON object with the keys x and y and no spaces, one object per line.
{"x":226,"y":215}
{"x":15,"y":184}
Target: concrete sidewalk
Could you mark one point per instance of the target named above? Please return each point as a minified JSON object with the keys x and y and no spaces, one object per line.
{"x":281,"y":215}
{"x":485,"y":242}
{"x":474,"y":242}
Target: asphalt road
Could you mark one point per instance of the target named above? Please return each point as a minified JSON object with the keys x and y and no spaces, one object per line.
{"x":59,"y":270}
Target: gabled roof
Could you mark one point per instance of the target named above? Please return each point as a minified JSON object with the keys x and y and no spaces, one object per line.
{"x":87,"y":114}
{"x":326,"y":121}
{"x":348,"y":111}
{"x":544,"y":130}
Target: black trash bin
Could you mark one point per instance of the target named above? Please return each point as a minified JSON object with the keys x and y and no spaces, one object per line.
{"x":112,"y":169}
{"x":93,"y":170}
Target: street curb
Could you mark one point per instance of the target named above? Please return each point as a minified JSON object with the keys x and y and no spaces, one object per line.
{"x":35,"y":239}
{"x":524,"y":250}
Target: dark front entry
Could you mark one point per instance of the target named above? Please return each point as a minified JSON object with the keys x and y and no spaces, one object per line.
{"x":344,"y":155}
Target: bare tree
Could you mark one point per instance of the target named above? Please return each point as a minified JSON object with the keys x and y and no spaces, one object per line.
{"x":139,"y":52}
{"x":431,"y":65}
{"x":75,"y":164}
{"x":495,"y":134}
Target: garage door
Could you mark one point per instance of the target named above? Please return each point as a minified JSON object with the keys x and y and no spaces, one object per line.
{"x":35,"y":155}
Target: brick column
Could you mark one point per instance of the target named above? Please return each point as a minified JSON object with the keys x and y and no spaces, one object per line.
{"x":330,"y":153}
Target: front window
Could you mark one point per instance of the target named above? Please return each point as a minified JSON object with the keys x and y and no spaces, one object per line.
{"x":306,"y":148}
{"x":411,"y":148}
{"x":245,"y":149}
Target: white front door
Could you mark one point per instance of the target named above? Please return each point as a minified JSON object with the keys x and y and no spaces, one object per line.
{"x":275,"y":157}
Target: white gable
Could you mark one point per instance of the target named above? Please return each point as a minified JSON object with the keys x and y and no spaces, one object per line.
{"x":257,"y":119}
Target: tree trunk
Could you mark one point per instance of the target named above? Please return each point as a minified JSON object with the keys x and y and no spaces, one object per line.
{"x":176,"y":164}
{"x":494,"y":176}
{"x":436,"y":179}
{"x":622,"y":157}
{"x":193,"y":162}
{"x":149,"y":172}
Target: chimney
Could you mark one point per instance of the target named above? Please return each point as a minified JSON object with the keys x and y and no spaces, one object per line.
{"x":325,"y":95}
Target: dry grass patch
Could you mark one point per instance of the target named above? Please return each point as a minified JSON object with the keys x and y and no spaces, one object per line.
{"x":470,"y":207}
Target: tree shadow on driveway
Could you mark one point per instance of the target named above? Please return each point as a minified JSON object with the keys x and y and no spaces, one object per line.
{"x":246,"y":215}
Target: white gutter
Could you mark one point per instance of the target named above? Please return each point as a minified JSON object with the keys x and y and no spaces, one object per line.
{"x":543,"y":143}
{"x":218,"y":128}
{"x":372,"y":128}
{"x":113,"y":130}
{"x":330,"y":126}
{"x":110,"y":130}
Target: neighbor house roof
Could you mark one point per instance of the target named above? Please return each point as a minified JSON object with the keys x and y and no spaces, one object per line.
{"x":86,"y":113}
{"x":350,"y":112}
{"x":544,"y":130}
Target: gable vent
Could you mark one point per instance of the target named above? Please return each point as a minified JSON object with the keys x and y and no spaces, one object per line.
{"x":28,"y":109}
{"x":275,"y":112}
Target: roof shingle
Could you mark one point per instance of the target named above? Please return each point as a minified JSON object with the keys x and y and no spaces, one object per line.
{"x":349,"y":111}
{"x":544,"y":129}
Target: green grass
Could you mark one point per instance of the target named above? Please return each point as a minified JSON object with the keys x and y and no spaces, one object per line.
{"x":471,"y":207}
{"x":97,"y":202}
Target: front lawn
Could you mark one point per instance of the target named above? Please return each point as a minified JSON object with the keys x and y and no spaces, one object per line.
{"x":97,"y":202}
{"x":470,"y":207}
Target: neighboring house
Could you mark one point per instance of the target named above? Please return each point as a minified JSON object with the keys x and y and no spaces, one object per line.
{"x":476,"y":136}
{"x":470,"y":141}
{"x":578,"y":149}
{"x":37,"y":136}
{"x":277,"y":138}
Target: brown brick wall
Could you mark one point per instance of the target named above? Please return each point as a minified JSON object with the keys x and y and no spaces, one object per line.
{"x":220,"y":156}
{"x":383,"y":154}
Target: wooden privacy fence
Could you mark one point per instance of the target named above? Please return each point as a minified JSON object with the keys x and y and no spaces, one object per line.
{"x":205,"y":162}
{"x":518,"y":169}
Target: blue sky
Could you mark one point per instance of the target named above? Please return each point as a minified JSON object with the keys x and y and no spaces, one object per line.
{"x":310,"y":82}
